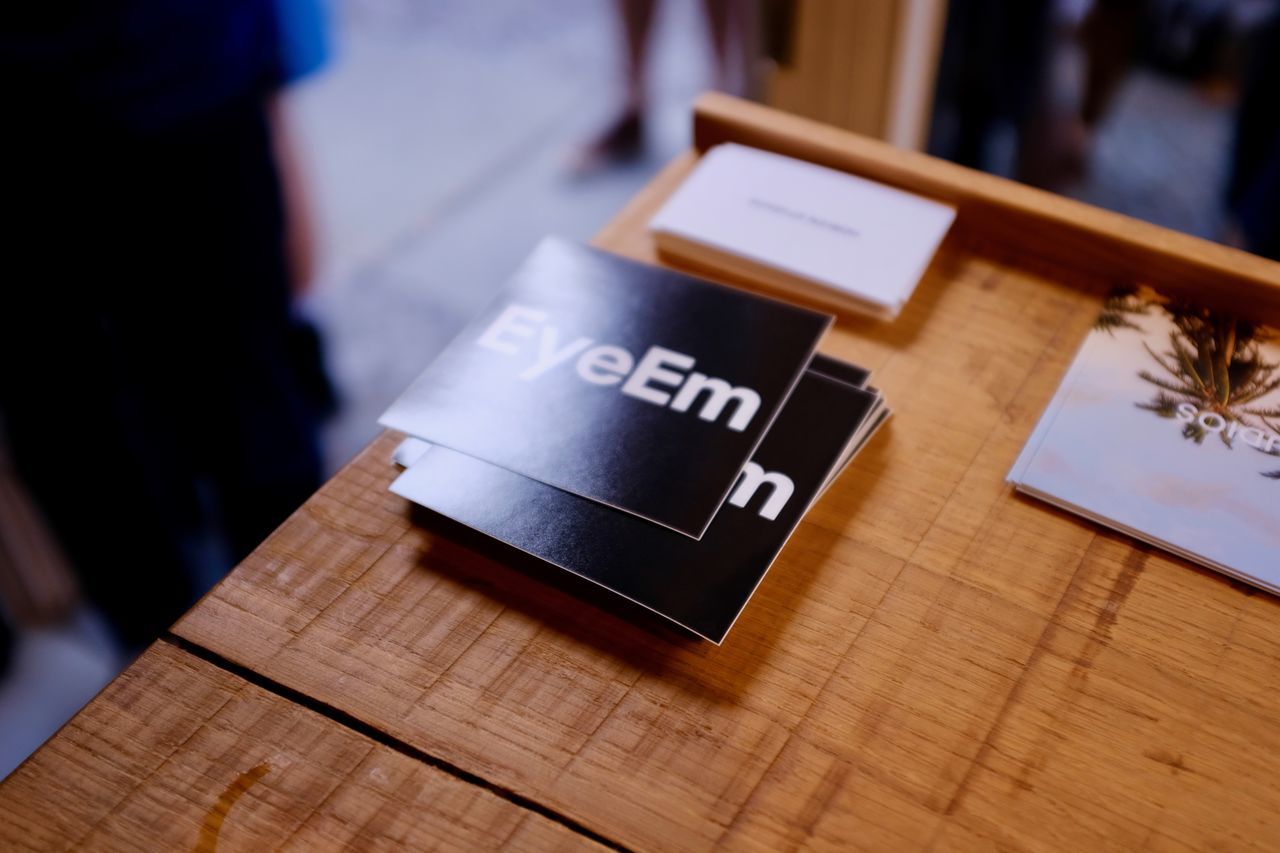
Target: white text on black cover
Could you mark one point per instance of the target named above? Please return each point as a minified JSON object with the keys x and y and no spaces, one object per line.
{"x":657,"y":378}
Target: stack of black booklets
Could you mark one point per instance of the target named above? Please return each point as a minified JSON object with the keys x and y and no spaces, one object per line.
{"x":657,"y":434}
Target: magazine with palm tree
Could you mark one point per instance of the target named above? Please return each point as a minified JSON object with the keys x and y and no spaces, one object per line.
{"x":1167,"y":427}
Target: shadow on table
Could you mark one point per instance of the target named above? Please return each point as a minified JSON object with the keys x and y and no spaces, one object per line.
{"x":611,"y":624}
{"x":947,"y":265}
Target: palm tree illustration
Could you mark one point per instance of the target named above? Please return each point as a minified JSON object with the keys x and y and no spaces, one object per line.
{"x":1120,"y":307}
{"x":1274,"y":475}
{"x":1215,"y":363}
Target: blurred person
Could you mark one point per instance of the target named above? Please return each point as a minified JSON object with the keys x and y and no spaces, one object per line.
{"x":1109,"y":38}
{"x":6,"y":644}
{"x":731,"y":27}
{"x":162,"y":401}
{"x":1182,"y":37}
{"x":1253,"y":183}
{"x":1187,"y":38}
{"x":992,"y":75}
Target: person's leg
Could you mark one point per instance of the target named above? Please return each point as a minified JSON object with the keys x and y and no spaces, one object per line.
{"x":732,"y":27}
{"x":1253,"y":181}
{"x":623,"y":138}
{"x":1055,"y":145}
{"x":1109,"y":37}
{"x":636,"y":17}
{"x":970,"y":80}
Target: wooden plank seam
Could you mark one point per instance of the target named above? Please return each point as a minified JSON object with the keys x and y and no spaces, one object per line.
{"x":360,"y":727}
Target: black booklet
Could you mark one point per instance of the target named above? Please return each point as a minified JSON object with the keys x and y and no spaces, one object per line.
{"x":834,"y":368}
{"x":699,"y":584}
{"x":633,"y":386}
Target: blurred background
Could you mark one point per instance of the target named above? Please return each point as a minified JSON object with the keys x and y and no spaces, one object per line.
{"x":246,"y":225}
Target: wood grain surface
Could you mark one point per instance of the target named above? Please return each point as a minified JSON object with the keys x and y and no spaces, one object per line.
{"x":933,"y":663}
{"x":178,"y":754}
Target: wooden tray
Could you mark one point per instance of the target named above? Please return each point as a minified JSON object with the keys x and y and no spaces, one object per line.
{"x":933,"y":661}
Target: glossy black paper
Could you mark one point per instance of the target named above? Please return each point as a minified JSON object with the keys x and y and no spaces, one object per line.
{"x":854,"y":374}
{"x":702,"y":585}
{"x":634,"y":386}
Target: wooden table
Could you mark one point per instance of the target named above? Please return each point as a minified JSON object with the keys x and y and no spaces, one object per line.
{"x":934,"y":662}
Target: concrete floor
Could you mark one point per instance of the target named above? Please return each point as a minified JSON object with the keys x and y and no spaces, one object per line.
{"x":436,"y":142}
{"x":439,"y":141}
